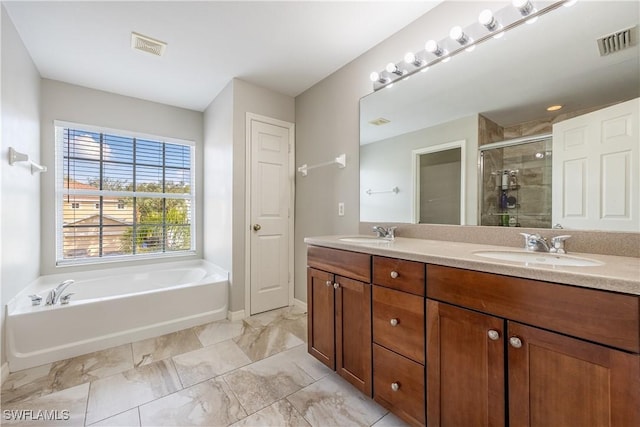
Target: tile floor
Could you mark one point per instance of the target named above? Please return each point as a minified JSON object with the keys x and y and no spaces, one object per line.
{"x":253,"y":372}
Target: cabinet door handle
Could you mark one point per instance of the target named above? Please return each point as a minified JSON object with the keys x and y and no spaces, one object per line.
{"x":336,"y":286}
{"x":394,"y":322}
{"x":328,"y":282}
{"x":515,"y":342}
{"x":394,"y":274}
{"x":493,"y":335}
{"x":395,"y":386}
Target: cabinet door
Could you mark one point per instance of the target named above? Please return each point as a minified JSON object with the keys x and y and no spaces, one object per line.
{"x":555,"y":380}
{"x":465,"y":367}
{"x":353,"y":332}
{"x":321,"y":325}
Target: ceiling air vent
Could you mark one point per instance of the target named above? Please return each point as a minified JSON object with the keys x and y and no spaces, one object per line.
{"x":379,"y":121}
{"x":147,"y":44}
{"x":618,"y":41}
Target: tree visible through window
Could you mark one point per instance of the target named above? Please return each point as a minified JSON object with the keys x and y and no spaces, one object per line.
{"x":138,"y":195}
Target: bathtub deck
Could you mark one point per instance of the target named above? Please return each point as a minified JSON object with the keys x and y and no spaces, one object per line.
{"x":250,"y":372}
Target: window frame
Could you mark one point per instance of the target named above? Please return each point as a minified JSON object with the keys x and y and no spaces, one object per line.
{"x":61,"y":192}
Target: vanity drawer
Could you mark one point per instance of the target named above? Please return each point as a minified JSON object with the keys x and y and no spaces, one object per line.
{"x":407,"y":276}
{"x":398,"y":385}
{"x":398,"y":322}
{"x":600,"y":316}
{"x":353,"y":265}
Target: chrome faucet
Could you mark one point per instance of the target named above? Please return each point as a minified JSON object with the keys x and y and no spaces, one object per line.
{"x":535,"y":243}
{"x":54,"y":294}
{"x":385,"y":233}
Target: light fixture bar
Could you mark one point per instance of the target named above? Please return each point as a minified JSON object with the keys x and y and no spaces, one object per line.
{"x":493,"y":25}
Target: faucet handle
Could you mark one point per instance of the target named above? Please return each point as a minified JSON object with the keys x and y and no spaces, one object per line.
{"x":391,"y":232}
{"x":557,"y":244}
{"x":35,"y":299}
{"x":64,"y":299}
{"x":526,"y":236}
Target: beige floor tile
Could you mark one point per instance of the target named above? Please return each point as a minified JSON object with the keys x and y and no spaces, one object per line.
{"x":26,"y":384}
{"x":281,"y":413}
{"x":118,"y":393}
{"x":210,"y":403}
{"x":264,"y":341}
{"x":130,"y":418}
{"x":62,"y":408}
{"x":205,"y":363}
{"x":390,"y":420}
{"x":332,"y":401}
{"x":215,"y":332}
{"x":262,"y":383}
{"x":154,"y":349}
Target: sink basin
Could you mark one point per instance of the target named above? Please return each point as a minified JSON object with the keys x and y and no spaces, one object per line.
{"x":539,"y":258}
{"x":364,"y":239}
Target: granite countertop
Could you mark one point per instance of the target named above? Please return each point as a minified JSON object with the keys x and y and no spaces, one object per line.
{"x":617,"y":273}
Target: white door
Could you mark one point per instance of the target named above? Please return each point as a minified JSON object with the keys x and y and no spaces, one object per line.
{"x":596,"y":158}
{"x":270,"y":209}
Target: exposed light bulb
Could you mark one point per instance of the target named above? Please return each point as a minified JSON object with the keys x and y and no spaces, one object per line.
{"x":374,"y":76}
{"x":489,"y":21}
{"x":391,"y":67}
{"x":458,"y":35}
{"x":432,"y":47}
{"x":411,"y":58}
{"x":525,"y":7}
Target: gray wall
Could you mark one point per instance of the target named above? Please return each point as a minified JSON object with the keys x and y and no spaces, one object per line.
{"x":77,"y":104}
{"x":327,"y":125}
{"x":19,"y":190}
{"x":230,"y":139}
{"x":387,"y":164}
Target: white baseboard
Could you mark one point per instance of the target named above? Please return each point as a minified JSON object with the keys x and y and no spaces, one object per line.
{"x":5,"y":372}
{"x":300,"y":304}
{"x":235,"y":315}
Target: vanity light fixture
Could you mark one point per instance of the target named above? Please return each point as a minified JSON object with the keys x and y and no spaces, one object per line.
{"x":393,"y":68}
{"x":489,"y":21}
{"x":411,"y":58}
{"x":457,"y":34}
{"x":554,"y":107}
{"x":376,"y":77}
{"x":491,"y":24}
{"x":526,"y":8}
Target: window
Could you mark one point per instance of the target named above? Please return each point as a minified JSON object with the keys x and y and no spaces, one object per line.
{"x":142,"y":190}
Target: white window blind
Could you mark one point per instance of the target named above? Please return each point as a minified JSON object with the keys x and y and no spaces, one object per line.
{"x":122,"y":196}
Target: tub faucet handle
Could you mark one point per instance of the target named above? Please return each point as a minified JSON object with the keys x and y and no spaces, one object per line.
{"x":64,"y":299}
{"x":35,"y":299}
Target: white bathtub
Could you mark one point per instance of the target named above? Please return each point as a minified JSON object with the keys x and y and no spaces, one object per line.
{"x":112,"y":307}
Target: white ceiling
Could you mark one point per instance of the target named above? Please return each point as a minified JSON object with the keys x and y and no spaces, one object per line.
{"x":284,"y":46}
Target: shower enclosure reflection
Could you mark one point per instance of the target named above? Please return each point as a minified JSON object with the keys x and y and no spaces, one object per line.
{"x":516,"y":187}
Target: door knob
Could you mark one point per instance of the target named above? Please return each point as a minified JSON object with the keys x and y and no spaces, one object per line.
{"x":256,"y":227}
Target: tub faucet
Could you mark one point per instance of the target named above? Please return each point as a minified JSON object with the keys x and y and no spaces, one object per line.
{"x":54,"y":294}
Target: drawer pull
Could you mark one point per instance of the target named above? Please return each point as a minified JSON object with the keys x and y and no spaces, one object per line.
{"x":394,"y":274}
{"x":394,"y":322}
{"x":336,"y":286}
{"x":395,"y":386}
{"x":328,"y":282}
{"x":515,"y":342}
{"x":493,"y":335}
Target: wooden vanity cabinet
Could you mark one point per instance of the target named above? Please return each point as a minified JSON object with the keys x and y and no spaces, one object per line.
{"x":398,"y":337}
{"x":476,"y":332}
{"x":339,"y":313}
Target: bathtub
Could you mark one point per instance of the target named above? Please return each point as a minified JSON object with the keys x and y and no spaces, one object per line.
{"x":112,"y":307}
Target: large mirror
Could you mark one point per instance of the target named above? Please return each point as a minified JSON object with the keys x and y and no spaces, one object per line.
{"x":422,"y":140}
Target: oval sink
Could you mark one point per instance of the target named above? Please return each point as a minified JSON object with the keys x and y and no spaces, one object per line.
{"x":539,"y":258}
{"x":364,"y":239}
